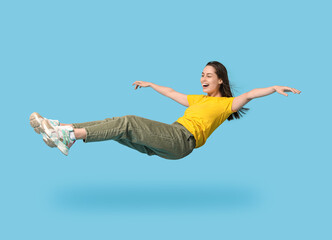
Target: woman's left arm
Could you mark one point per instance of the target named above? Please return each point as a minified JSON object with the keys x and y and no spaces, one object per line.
{"x":261,"y":92}
{"x":243,"y":99}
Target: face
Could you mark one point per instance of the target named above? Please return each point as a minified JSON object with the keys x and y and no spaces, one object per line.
{"x":210,"y":78}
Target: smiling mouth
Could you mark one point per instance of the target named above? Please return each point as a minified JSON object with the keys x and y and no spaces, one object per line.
{"x":205,"y":85}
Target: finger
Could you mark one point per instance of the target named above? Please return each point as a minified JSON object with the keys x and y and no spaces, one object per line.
{"x":285,"y":89}
{"x":295,"y":90}
{"x":283,"y":93}
{"x":288,"y":89}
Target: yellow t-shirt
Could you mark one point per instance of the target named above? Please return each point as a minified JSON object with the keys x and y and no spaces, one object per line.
{"x":204,"y":115}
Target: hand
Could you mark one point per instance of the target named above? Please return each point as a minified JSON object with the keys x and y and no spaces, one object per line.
{"x":282,"y":89}
{"x":141,"y":84}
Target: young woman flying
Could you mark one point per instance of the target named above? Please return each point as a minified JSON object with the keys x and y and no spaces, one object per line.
{"x":205,"y":113}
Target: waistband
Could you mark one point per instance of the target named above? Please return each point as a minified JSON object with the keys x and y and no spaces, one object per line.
{"x":179,"y":125}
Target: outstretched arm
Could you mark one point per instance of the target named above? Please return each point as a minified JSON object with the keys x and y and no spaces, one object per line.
{"x":166,"y":91}
{"x":243,"y":99}
{"x":261,"y":92}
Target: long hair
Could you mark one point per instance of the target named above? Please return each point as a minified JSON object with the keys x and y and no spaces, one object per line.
{"x":225,"y":88}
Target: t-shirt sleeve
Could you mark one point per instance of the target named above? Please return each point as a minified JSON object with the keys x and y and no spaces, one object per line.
{"x":192,"y":99}
{"x":229,"y":107}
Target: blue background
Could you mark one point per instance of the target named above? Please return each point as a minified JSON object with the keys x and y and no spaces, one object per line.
{"x":265,"y":176}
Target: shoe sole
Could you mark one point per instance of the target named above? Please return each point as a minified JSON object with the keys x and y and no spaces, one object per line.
{"x":46,"y":128}
{"x":35,"y":122}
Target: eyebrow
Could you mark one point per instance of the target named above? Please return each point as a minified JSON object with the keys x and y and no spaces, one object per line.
{"x":207,"y":73}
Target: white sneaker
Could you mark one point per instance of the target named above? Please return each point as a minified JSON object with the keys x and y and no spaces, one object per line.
{"x":35,"y":122}
{"x":62,"y":137}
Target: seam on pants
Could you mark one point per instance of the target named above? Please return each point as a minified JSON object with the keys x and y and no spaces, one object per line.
{"x":89,"y":134}
{"x":151,"y":134}
{"x":117,"y":131}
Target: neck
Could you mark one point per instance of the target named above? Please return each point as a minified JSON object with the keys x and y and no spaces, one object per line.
{"x":215,"y":94}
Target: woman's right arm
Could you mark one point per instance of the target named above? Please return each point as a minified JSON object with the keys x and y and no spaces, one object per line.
{"x":163,"y":90}
{"x":166,"y":91}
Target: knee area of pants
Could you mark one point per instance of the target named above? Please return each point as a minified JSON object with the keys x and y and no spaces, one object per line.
{"x":129,"y":116}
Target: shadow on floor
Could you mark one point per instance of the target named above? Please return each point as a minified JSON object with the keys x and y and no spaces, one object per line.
{"x":129,"y":198}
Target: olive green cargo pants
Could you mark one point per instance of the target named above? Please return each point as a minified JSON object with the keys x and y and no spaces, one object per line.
{"x":169,"y":141}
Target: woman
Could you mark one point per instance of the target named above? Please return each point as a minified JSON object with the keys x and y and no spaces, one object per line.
{"x":170,"y":141}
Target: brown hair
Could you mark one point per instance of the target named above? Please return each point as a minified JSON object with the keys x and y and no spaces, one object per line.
{"x":225,"y":88}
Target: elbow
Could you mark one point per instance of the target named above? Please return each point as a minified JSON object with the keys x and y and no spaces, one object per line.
{"x":249,"y":96}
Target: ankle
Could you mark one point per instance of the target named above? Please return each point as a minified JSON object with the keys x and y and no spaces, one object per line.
{"x":80,"y":133}
{"x":63,"y":124}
